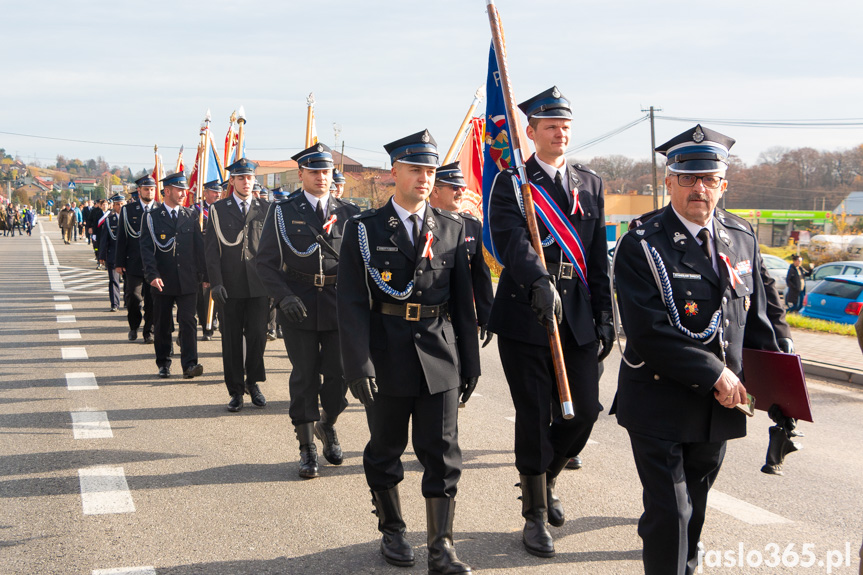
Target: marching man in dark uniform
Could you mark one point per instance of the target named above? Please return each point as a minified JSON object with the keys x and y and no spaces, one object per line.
{"x":172,"y":250}
{"x":233,"y":234}
{"x":108,"y":249}
{"x":211,"y":194}
{"x":409,"y":345}
{"x":575,"y":285}
{"x":128,"y":259}
{"x":448,"y":188}
{"x":297,"y":262}
{"x":691,"y":296}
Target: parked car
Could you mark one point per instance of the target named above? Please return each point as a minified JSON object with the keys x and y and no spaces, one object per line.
{"x":835,"y":298}
{"x":778,"y":269}
{"x":844,"y":268}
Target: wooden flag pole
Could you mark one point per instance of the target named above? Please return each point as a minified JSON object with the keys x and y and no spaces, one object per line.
{"x":453,"y":149}
{"x":310,"y":118}
{"x":529,"y":210}
{"x":159,"y":185}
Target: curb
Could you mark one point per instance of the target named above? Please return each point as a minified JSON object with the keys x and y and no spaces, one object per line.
{"x":830,"y":371}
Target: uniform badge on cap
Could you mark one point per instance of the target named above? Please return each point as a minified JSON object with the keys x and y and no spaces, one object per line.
{"x":698,"y":135}
{"x":691,"y":308}
{"x":425,"y":138}
{"x":386,"y":275}
{"x":678,"y":237}
{"x":320,"y":148}
{"x":556,"y":92}
{"x":393,"y":222}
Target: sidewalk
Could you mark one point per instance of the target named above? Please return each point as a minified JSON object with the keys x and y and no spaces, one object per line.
{"x":829,"y":355}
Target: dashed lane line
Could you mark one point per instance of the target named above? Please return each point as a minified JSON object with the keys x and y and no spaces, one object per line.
{"x":66,"y":319}
{"x":88,"y":424}
{"x":63,"y":307}
{"x":104,"y":491}
{"x":79,"y":381}
{"x":61,"y":298}
{"x":69,"y":334}
{"x":72,"y":353}
{"x":741,"y":510}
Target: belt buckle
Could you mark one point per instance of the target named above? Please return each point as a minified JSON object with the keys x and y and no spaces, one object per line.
{"x":412,"y":311}
{"x":320,"y":280}
{"x":565,"y":270}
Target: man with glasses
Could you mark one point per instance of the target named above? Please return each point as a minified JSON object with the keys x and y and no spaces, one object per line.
{"x":690,"y":293}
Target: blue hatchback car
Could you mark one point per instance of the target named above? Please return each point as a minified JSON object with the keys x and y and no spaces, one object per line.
{"x":835,"y":298}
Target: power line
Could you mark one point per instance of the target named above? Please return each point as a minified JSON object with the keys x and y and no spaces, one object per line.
{"x":606,"y":136}
{"x":820,"y":124}
{"x":87,"y":141}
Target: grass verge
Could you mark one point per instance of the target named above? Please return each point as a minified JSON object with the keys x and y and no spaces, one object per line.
{"x":819,"y":325}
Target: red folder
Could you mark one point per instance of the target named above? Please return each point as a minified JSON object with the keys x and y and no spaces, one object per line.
{"x":776,"y":377}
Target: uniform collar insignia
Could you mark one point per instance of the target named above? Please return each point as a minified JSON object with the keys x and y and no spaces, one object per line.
{"x":431,"y":223}
{"x":230,"y":203}
{"x":679,"y":237}
{"x":393,"y":222}
{"x":640,"y":232}
{"x":724,"y":235}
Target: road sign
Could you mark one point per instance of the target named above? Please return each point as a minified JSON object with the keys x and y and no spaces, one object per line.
{"x":71,"y":185}
{"x":50,"y":202}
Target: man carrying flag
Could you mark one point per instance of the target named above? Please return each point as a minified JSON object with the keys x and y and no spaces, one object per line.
{"x":571,"y":289}
{"x":212,"y":192}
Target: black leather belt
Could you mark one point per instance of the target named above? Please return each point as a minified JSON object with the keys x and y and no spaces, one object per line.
{"x":411,"y":311}
{"x":314,"y":279}
{"x":560,"y":270}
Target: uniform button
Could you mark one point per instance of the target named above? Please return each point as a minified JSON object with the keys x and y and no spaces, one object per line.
{"x":727,"y":322}
{"x":724,"y":300}
{"x":419,"y":272}
{"x":417,"y":336}
{"x":419,"y":293}
{"x":564,"y":292}
{"x":444,"y":262}
{"x":521,"y":286}
{"x":656,"y":377}
{"x":386,"y":263}
{"x":694,"y":386}
{"x":512,"y":295}
{"x":688,"y":293}
{"x":747,"y":289}
{"x":320,"y":289}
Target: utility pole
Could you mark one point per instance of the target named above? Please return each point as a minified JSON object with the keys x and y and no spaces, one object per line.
{"x":653,"y":154}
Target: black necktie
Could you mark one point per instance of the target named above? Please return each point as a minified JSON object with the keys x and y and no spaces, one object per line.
{"x":243,"y":208}
{"x":706,"y":244}
{"x":558,"y":182}
{"x":415,"y":220}
{"x":320,"y":211}
{"x":174,"y":215}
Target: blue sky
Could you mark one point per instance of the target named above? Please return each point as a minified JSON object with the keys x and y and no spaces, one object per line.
{"x":142,"y":73}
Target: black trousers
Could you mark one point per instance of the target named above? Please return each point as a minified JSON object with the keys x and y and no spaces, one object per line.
{"x":541,"y":432}
{"x":163,"y":307}
{"x":113,"y":285}
{"x":312,"y":354}
{"x":676,"y":478}
{"x":434,"y":438}
{"x":138,"y":294}
{"x":244,"y":318}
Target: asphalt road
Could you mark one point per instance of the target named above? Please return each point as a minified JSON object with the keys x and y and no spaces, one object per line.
{"x":174,"y":484}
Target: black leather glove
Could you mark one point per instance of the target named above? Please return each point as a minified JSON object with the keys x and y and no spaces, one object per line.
{"x":785,"y":344}
{"x":293,"y":308}
{"x":364,"y":389}
{"x":468,"y":384}
{"x":605,"y":333}
{"x":220,"y":294}
{"x":485,"y":335}
{"x":545,"y":301}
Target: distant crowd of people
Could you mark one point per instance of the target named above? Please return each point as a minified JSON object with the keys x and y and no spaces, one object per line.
{"x":17,"y":217}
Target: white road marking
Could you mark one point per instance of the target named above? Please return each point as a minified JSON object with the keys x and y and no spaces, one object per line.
{"x":73,"y":352}
{"x":63,"y":307}
{"x":741,"y":510}
{"x":104,"y":490}
{"x":66,"y":319}
{"x":61,"y":298}
{"x":81,"y":380}
{"x":126,"y":571}
{"x":69,"y":334}
{"x":91,"y":425}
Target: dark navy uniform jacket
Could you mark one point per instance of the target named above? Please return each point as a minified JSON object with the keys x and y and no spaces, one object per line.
{"x":511,"y":315}
{"x":399,"y":353}
{"x":108,"y":246}
{"x":302,"y":227}
{"x":234,"y":267}
{"x":181,"y":267}
{"x":671,"y":396}
{"x":128,"y":246}
{"x":483,"y":294}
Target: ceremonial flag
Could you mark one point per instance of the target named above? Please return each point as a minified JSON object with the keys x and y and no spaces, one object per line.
{"x":180,"y":167}
{"x":231,"y":139}
{"x":498,"y":154}
{"x":470,"y":160}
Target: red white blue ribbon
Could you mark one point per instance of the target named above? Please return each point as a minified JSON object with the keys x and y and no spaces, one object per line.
{"x":561,"y":230}
{"x":329,"y":225}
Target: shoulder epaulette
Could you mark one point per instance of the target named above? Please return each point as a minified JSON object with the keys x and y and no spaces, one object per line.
{"x":727,"y":218}
{"x":584,"y":168}
{"x":366,"y":214}
{"x":450,"y":215}
{"x":472,"y":217}
{"x":647,"y":229}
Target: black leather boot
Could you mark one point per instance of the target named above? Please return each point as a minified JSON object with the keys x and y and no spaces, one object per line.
{"x":308,"y":450}
{"x":442,"y":560}
{"x":534,"y":508}
{"x":394,"y":547}
{"x":326,"y":432}
{"x":780,"y":445}
{"x":556,"y":516}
